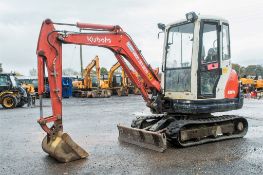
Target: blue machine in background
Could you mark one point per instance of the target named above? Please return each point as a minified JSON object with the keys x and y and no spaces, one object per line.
{"x":66,"y":88}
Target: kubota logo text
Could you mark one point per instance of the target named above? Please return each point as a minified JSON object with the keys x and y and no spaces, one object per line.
{"x":231,"y":92}
{"x":97,"y":39}
{"x":129,"y":45}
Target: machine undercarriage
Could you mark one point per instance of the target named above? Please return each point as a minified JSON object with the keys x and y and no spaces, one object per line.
{"x":182,"y":130}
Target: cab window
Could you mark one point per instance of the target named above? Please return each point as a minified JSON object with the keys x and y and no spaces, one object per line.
{"x":209,"y":52}
{"x":4,"y":80}
{"x":226,"y":42}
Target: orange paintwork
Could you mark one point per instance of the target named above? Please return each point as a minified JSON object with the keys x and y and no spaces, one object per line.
{"x":232,"y":85}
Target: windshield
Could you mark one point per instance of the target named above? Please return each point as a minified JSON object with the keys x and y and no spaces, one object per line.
{"x":178,"y":58}
{"x":4,"y":80}
{"x":179,"y":46}
{"x":35,"y":83}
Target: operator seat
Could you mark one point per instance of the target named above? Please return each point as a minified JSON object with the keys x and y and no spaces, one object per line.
{"x":211,"y":55}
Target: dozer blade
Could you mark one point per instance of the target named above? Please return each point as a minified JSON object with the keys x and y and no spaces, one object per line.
{"x":63,"y":148}
{"x":146,"y":139}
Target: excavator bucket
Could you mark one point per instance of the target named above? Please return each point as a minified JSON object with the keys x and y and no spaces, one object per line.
{"x":63,"y":148}
{"x":146,"y":139}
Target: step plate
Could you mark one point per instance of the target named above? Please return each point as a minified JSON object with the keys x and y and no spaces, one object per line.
{"x":146,"y":139}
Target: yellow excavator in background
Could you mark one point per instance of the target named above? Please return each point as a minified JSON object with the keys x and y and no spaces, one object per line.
{"x":87,"y":78}
{"x":31,"y":94}
{"x":85,"y":87}
{"x":252,"y":86}
{"x":259,"y":84}
{"x":125,"y":88}
{"x":112,"y":84}
{"x":29,"y":88}
{"x":247,"y":81}
{"x":77,"y":84}
{"x":256,"y":82}
{"x":135,"y":89}
{"x":247,"y":84}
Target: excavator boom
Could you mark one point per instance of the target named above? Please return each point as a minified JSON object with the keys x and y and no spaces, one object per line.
{"x":49,"y":52}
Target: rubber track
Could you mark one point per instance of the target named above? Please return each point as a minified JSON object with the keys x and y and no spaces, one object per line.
{"x":175,"y":127}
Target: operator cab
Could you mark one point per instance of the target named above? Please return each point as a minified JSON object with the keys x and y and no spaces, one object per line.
{"x":7,"y":82}
{"x":197,"y":73}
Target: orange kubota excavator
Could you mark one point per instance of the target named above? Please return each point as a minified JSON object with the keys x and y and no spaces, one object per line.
{"x":197,"y":80}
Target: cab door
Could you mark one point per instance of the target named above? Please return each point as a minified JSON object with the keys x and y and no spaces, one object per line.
{"x":208,"y":59}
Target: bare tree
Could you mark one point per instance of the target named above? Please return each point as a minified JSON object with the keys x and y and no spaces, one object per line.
{"x":69,"y":72}
{"x":1,"y":69}
{"x":33,"y":72}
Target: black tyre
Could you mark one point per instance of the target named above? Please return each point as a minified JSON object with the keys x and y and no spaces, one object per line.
{"x":21,"y":103}
{"x":9,"y":101}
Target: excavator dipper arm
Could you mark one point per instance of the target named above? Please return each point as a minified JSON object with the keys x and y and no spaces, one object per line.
{"x":87,"y":70}
{"x":49,"y":52}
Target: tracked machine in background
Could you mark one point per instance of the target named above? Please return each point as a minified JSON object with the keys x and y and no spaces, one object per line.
{"x":120,"y":83}
{"x":259,"y":84}
{"x":197,"y":80}
{"x":135,"y":90}
{"x":86,"y":88}
{"x":252,"y":86}
{"x":117,"y":84}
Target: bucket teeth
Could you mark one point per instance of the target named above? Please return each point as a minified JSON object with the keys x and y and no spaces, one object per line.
{"x":63,"y":148}
{"x":146,"y":139}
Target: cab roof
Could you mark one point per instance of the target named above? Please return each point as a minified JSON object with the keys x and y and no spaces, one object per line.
{"x":200,"y":17}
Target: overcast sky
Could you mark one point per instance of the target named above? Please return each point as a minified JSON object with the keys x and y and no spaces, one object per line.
{"x":20,"y":23}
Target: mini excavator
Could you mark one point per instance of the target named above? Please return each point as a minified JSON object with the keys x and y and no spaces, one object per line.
{"x":197,"y":80}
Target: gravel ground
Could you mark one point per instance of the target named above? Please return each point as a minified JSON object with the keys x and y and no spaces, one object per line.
{"x":92,"y":124}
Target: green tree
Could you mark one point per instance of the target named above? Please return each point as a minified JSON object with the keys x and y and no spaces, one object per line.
{"x":236,"y":67}
{"x":250,"y":70}
{"x":254,"y":70}
{"x":103,"y":71}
